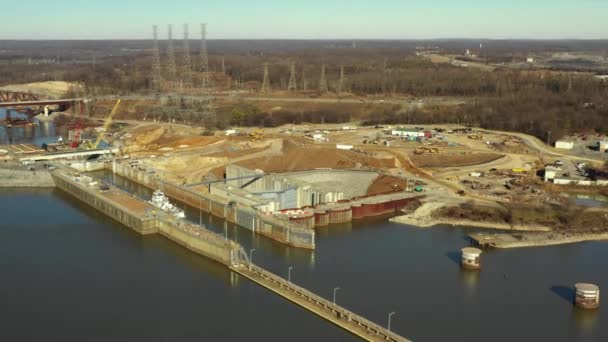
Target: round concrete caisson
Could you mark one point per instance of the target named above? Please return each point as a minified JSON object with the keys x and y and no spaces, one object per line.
{"x":587,"y":296}
{"x":470,"y":258}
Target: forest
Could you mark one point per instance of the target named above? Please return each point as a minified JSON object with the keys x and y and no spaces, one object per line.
{"x":533,"y":101}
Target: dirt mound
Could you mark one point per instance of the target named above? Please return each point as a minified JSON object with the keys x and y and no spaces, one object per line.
{"x":147,"y":135}
{"x":454,"y":160}
{"x":297,"y":158}
{"x":50,"y":89}
{"x":384,"y":184}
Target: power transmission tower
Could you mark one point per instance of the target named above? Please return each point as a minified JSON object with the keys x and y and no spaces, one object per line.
{"x":304,"y":81}
{"x":266,"y":81}
{"x":187,"y":61}
{"x":384,"y":72}
{"x":157,"y":78}
{"x":323,"y":81}
{"x":340,"y":89}
{"x":171,"y":59}
{"x":293,"y":85}
{"x":204,"y":56}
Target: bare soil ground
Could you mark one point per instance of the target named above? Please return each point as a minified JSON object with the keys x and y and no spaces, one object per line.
{"x":384,"y":184}
{"x":453,"y":160}
{"x":297,"y":157}
{"x":49,"y":89}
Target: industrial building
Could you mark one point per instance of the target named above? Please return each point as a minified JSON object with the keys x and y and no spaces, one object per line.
{"x":564,"y":144}
{"x":313,"y":198}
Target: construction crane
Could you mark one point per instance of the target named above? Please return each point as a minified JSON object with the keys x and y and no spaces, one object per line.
{"x":106,"y":125}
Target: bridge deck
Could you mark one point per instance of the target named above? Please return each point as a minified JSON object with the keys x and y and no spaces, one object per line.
{"x":336,"y":314}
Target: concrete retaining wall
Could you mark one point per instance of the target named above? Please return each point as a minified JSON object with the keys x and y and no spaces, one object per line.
{"x":196,"y":239}
{"x":134,"y":221}
{"x":278,"y":229}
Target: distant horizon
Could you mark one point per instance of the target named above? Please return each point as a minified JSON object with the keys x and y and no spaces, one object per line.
{"x":315,"y":39}
{"x":309,"y":20}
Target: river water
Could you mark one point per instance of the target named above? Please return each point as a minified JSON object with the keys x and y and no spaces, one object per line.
{"x":69,"y":273}
{"x":42,"y":132}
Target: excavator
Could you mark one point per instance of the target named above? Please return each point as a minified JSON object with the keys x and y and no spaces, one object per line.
{"x":106,"y":125}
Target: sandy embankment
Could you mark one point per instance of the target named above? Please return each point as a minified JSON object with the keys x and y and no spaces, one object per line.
{"x":422,"y":218}
{"x":536,"y":239}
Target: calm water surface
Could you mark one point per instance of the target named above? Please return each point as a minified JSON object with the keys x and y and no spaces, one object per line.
{"x":43,"y":132}
{"x":69,"y":273}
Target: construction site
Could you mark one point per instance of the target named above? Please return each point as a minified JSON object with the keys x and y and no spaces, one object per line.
{"x":366,"y":153}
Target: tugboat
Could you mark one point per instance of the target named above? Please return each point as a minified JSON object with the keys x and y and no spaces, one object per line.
{"x":161,"y":201}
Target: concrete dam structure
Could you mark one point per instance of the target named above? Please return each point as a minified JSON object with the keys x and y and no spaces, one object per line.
{"x":146,"y":219}
{"x":243,"y":214}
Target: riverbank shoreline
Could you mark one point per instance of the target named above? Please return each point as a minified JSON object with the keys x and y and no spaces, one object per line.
{"x":422,"y":218}
{"x":505,"y":241}
{"x":20,"y":178}
{"x":467,"y":223}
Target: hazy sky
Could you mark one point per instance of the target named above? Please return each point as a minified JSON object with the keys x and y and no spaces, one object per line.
{"x":313,"y":19}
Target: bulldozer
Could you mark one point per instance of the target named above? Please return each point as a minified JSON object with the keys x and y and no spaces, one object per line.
{"x":475,"y":136}
{"x":425,"y":150}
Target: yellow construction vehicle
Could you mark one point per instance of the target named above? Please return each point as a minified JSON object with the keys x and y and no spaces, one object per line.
{"x":106,"y":125}
{"x":476,"y":136}
{"x":424,"y":150}
{"x":256,"y":135}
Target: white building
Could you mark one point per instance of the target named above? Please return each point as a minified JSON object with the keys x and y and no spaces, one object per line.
{"x":564,"y":145}
{"x":344,"y":147}
{"x":602,"y":145}
{"x":551,"y":172}
{"x":401,"y":132}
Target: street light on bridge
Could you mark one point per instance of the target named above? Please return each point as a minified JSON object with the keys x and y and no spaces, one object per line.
{"x":335,"y":290}
{"x":390,"y":315}
{"x":251,"y":258}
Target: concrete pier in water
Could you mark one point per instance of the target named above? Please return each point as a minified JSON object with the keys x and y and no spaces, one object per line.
{"x":146,"y":219}
{"x":587,"y":296}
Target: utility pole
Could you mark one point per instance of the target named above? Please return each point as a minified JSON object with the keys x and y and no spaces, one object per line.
{"x":266,"y":81}
{"x":224,"y":65}
{"x":171,"y":59}
{"x":323,"y":81}
{"x":157,"y":78}
{"x":293,"y":85}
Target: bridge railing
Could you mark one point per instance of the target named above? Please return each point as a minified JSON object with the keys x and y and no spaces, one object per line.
{"x":372,"y":329}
